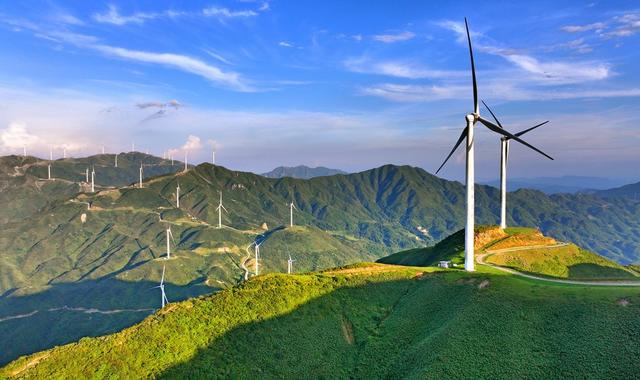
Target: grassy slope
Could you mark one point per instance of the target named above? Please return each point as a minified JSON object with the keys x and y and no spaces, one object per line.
{"x":369,"y":323}
{"x":564,"y":261}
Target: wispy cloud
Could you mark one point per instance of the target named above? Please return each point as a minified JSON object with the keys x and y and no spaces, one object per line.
{"x":171,"y":103}
{"x":583,"y":28}
{"x":286,"y":44}
{"x":182,"y":62}
{"x":225,"y":13}
{"x":112,"y":16}
{"x":395,"y":37}
{"x":549,"y":72}
{"x":15,"y":136}
{"x":498,"y":90}
{"x":397,"y":69}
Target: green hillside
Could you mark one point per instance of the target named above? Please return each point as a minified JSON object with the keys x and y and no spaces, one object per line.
{"x":523,"y":249}
{"x":51,"y":260}
{"x":371,"y":321}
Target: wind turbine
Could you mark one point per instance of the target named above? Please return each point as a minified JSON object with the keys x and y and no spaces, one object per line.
{"x":49,"y":171}
{"x":64,"y":152}
{"x":291,"y":207}
{"x":103,"y":149}
{"x":220,"y":209}
{"x":290,"y":265}
{"x":93,"y":179}
{"x":116,"y":158}
{"x":161,"y":286}
{"x":467,"y":132}
{"x":141,"y":175}
{"x":169,"y":235}
{"x":178,"y":196}
{"x":50,"y":153}
{"x":24,"y":151}
{"x":133,"y":146}
{"x":504,"y":157}
{"x":259,"y":240}
{"x":213,"y":157}
{"x":86,"y":175}
{"x":186,"y":165}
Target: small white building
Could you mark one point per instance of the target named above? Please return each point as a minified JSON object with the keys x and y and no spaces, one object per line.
{"x":444,"y":264}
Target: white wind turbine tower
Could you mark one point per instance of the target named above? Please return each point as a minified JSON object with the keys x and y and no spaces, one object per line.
{"x":49,"y":171}
{"x":290,"y":265}
{"x":291,"y":207}
{"x":213,"y":157}
{"x":186,"y":165}
{"x":220,"y":208}
{"x":86,"y":175}
{"x":103,"y":149}
{"x":133,"y":146}
{"x":178,"y":196}
{"x":116,"y":159}
{"x":51,"y":153}
{"x":504,"y":157}
{"x":169,"y":236}
{"x":467,"y":132}
{"x":93,"y":179}
{"x":141,"y":175}
{"x":161,"y":286}
{"x":24,"y":151}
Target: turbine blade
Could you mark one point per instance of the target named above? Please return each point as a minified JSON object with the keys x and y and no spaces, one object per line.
{"x":531,"y":129}
{"x":460,"y":139}
{"x":224,"y":208}
{"x":501,"y":131}
{"x":476,"y":107}
{"x":162,"y":279}
{"x":492,"y":114}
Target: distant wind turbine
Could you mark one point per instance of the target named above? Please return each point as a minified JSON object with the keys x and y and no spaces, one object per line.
{"x":64,"y":152}
{"x":290,"y":265}
{"x":50,"y":153}
{"x":161,"y":286}
{"x":103,"y":149}
{"x":178,"y":196}
{"x":141,"y":176}
{"x":213,"y":157}
{"x":169,"y":235}
{"x":259,"y":240}
{"x":86,"y":175}
{"x":504,"y":157}
{"x":93,"y":179}
{"x":133,"y":146}
{"x":24,"y":151}
{"x":467,"y":132}
{"x":49,"y":171}
{"x":186,"y":165}
{"x":291,"y":207}
{"x":220,"y":208}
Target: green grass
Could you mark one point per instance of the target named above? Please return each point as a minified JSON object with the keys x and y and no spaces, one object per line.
{"x":390,"y":324}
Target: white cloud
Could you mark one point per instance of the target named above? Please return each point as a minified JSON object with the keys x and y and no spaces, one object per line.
{"x":560,"y":72}
{"x":597,"y":26}
{"x":15,"y":136}
{"x":224,"y":13}
{"x":112,"y":16}
{"x":496,"y":90}
{"x":185,"y":63}
{"x":193,"y":143}
{"x":398,"y":69}
{"x":397,"y":37}
{"x":286,"y":44}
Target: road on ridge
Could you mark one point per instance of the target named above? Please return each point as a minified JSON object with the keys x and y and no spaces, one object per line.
{"x":480,"y":260}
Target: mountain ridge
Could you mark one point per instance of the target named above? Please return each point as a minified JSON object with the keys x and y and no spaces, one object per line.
{"x":302,"y":172}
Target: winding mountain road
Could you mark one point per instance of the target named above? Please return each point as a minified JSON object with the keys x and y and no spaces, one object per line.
{"x":76,"y":309}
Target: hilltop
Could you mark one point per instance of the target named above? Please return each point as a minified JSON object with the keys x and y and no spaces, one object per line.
{"x":378,"y":321}
{"x":526,"y":250}
{"x":302,"y":172}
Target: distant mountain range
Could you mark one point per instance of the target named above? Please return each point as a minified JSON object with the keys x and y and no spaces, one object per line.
{"x":59,"y":258}
{"x":302,"y":172}
{"x":564,"y":184}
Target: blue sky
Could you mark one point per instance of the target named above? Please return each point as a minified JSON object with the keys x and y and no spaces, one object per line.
{"x":333,"y":83}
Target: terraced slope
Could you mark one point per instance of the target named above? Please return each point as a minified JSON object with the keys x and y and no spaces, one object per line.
{"x":369,"y":321}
